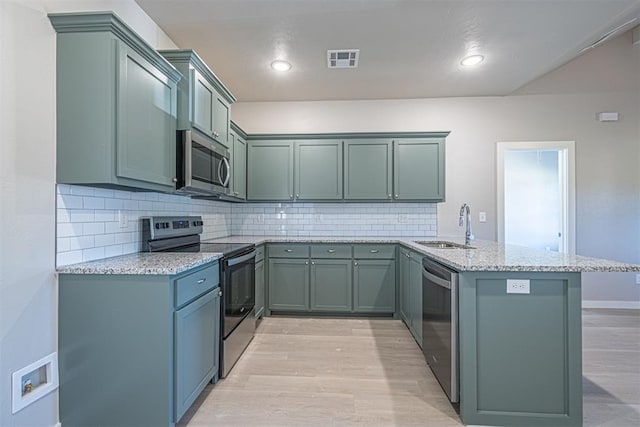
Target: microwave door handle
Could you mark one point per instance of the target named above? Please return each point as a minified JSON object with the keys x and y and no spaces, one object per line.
{"x":228,"y":174}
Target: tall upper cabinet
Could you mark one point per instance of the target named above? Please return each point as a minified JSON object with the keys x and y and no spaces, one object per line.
{"x":203,"y":101}
{"x":116,"y":105}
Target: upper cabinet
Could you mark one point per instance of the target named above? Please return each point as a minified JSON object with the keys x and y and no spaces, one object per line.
{"x":203,"y":101}
{"x":418,"y":169}
{"x":116,"y":106}
{"x":367,"y":171}
{"x":237,"y":140}
{"x":350,"y":167}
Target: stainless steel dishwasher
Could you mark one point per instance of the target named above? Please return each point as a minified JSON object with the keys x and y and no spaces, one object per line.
{"x":440,"y":325}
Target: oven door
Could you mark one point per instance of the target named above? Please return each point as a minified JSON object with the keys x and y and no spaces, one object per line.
{"x":206,"y":165}
{"x":239,"y":291}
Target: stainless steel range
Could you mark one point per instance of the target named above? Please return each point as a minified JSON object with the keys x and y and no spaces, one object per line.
{"x":237,"y":277}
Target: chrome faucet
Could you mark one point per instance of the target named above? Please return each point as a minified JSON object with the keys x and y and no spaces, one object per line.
{"x":468,"y":235}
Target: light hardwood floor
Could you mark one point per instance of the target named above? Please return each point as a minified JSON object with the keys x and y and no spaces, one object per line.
{"x":324,"y":372}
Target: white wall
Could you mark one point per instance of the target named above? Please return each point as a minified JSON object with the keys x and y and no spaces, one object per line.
{"x":28,"y":292}
{"x":560,"y":106}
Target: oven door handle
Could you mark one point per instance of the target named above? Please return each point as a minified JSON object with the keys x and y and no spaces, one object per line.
{"x":239,"y":260}
{"x":435,"y":279}
{"x":225,"y":181}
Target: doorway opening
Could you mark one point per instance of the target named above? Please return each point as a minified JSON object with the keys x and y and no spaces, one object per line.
{"x":536,"y":194}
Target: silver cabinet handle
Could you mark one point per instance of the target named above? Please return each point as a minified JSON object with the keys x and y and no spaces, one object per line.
{"x":288,"y":250}
{"x":202,"y":280}
{"x":374,"y":251}
{"x":331,"y":250}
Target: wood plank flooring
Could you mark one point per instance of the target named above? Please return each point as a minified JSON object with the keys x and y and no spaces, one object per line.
{"x":343,"y":372}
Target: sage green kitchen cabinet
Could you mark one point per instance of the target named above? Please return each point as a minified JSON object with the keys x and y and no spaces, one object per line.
{"x":318,"y":170}
{"x":238,"y":183}
{"x":330,"y":284}
{"x":260,"y":282}
{"x":288,"y":284}
{"x":410,"y":288}
{"x":204,"y":101}
{"x":116,"y":106}
{"x":374,"y":278}
{"x":270,"y":170}
{"x":196,"y":349}
{"x":136,"y":349}
{"x":418,"y":169}
{"x":368,"y":169}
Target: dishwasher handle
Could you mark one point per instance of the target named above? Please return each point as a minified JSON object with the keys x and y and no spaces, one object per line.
{"x":435,"y":279}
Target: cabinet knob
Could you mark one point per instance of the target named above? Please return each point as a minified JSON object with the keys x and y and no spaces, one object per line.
{"x":297,"y":196}
{"x":288,"y":250}
{"x":388,"y":196}
{"x":219,"y":293}
{"x":374,"y":251}
{"x":306,"y":263}
{"x":331,"y":250}
{"x":236,"y":193}
{"x":355,"y":263}
{"x":291,"y":196}
{"x":408,"y":255}
{"x":202,"y":280}
{"x":396,"y":196}
{"x":313,"y":263}
{"x":174,"y":179}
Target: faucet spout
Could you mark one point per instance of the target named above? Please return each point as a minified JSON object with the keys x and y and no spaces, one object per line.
{"x":465,"y":213}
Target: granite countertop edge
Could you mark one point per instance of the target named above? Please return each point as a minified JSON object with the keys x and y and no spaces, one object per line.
{"x":487,"y":256}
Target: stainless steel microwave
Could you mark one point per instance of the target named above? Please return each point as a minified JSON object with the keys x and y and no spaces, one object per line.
{"x":203,"y":166}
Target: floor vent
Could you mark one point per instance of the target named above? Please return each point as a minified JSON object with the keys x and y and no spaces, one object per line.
{"x":343,"y":58}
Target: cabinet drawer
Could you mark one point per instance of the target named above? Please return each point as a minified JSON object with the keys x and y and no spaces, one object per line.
{"x":259,"y":253}
{"x":282,"y":250}
{"x":331,"y":251}
{"x":189,"y":287}
{"x":374,"y":251}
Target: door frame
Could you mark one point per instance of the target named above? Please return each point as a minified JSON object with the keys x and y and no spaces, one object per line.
{"x":566,"y":153}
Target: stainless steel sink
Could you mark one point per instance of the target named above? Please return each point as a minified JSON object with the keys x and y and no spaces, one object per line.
{"x":441,"y":244}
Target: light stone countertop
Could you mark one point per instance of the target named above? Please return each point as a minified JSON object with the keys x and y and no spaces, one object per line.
{"x":487,"y":255}
{"x":164,"y":263}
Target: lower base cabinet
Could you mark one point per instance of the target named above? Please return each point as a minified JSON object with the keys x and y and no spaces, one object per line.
{"x":410,"y":287}
{"x":136,"y":350}
{"x":374,"y":286}
{"x":331,"y":285}
{"x":260,"y":288}
{"x":288,"y":284}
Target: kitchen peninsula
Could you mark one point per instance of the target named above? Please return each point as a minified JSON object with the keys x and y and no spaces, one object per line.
{"x":520,"y":354}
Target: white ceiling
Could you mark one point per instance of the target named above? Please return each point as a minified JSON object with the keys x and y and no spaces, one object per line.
{"x":408,"y":48}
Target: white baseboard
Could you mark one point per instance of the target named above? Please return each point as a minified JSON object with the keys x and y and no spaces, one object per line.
{"x":58,"y":425}
{"x":633,"y":305}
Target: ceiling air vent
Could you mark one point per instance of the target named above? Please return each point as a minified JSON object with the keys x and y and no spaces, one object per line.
{"x":343,"y":58}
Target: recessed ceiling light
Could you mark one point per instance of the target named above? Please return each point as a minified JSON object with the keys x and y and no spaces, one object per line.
{"x":280,"y":65}
{"x":472,"y":60}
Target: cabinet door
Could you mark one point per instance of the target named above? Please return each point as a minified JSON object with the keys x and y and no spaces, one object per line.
{"x":288,"y":284}
{"x":197,"y":333}
{"x":415,"y":286}
{"x":270,"y":170}
{"x":418,"y":169}
{"x":331,"y":285}
{"x":405,"y":287}
{"x":259,"y":309}
{"x":318,"y":170}
{"x":239,"y":166}
{"x":221,"y":120}
{"x":367,"y":169}
{"x":374,"y":286}
{"x":203,"y":101}
{"x":146,"y":120}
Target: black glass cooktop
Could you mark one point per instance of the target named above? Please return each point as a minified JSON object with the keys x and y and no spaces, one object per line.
{"x":227,"y":249}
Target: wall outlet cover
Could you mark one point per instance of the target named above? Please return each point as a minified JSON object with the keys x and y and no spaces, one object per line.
{"x":403,"y":218}
{"x":637,"y":278}
{"x":518,"y":286}
{"x":482,"y":217}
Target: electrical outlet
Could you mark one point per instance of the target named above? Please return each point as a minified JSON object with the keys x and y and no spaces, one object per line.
{"x":317,"y":218}
{"x":260,"y":219}
{"x":403,"y":218}
{"x":638,"y":279}
{"x":482,"y":217}
{"x":518,"y":286}
{"x":122,"y":219}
